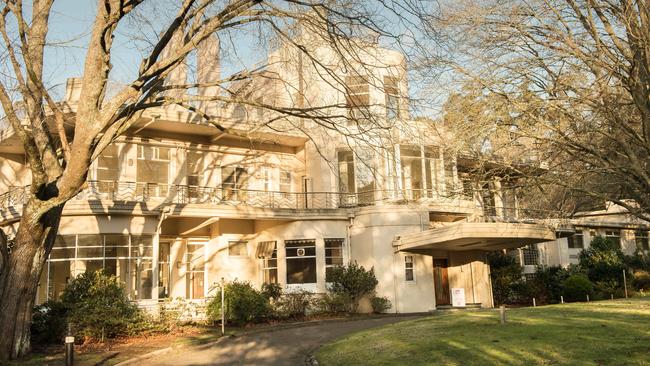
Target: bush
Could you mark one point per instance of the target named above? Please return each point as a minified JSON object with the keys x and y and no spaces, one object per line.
{"x":98,"y":307}
{"x":603,"y":261}
{"x":49,"y":323}
{"x":354,"y":282}
{"x":294,"y":304}
{"x":244,"y":304}
{"x":641,"y":280}
{"x":577,"y":287}
{"x":331,"y":303}
{"x":505,"y":274}
{"x":271,"y":291}
{"x":380,"y":304}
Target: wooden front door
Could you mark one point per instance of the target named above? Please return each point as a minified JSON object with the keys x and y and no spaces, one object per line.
{"x":441,"y":282}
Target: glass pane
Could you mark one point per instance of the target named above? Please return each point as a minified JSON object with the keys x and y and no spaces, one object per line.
{"x":90,"y":240}
{"x":88,"y":265}
{"x":141,"y":251}
{"x":117,"y":252}
{"x":141,"y":279}
{"x":63,"y":241}
{"x":62,"y":253}
{"x":59,"y":275}
{"x":92,"y":252}
{"x":116,"y":240}
{"x":301,"y":270}
{"x":118,"y":268}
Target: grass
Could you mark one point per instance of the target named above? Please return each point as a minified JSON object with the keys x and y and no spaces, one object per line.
{"x":613,"y":332}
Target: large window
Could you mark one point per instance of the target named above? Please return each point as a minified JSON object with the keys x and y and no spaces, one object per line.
{"x":411,"y":162}
{"x":333,"y":256}
{"x":129,"y":258}
{"x":153,"y":170}
{"x":270,"y":264}
{"x":431,"y":166}
{"x":164,"y":269}
{"x":108,"y":169}
{"x":285,"y":181}
{"x":615,"y":236}
{"x":195,"y":275}
{"x":301,"y":261}
{"x":346,"y":172}
{"x":358,"y":97}
{"x":450,"y":181}
{"x":391,"y":90}
{"x":233,"y":180}
{"x":641,"y":238}
{"x":194,"y":163}
{"x":576,"y":241}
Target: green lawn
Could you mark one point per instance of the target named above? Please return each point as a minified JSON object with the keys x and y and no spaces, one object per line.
{"x":597,"y":333}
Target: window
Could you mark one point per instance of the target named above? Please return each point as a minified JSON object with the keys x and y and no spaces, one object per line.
{"x":576,"y":241}
{"x":129,"y":258}
{"x":164,"y":269}
{"x":531,"y":255}
{"x":194,"y":163}
{"x":641,"y":238}
{"x":409,"y":268}
{"x":346,"y":172}
{"x":301,"y":261}
{"x":333,"y":256}
{"x":108,"y":169}
{"x":614,"y":236}
{"x":195,"y":270}
{"x":237,"y":248}
{"x":431,"y":161}
{"x":270,"y":264}
{"x":153,"y":170}
{"x":358,"y":97}
{"x":233,"y":179}
{"x":285,"y":181}
{"x":267,"y":179}
{"x":411,"y":162}
{"x":450,"y":182}
{"x":391,"y":90}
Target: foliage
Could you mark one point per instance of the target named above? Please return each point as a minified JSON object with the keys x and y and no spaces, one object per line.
{"x":271,"y":291}
{"x":603,"y":261}
{"x":294,"y":304}
{"x":331,"y":303}
{"x":49,"y":322}
{"x":243,"y":304}
{"x":380,"y":304}
{"x":641,"y":280}
{"x":577,"y":287}
{"x":354,"y":281}
{"x":505,"y":274}
{"x":98,"y":306}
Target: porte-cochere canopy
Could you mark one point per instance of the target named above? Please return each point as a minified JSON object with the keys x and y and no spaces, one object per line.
{"x":475,"y":236}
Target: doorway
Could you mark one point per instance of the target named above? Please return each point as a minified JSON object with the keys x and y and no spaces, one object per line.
{"x":441,"y":281}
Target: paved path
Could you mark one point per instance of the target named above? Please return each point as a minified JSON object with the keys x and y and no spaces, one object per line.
{"x":280,"y":347}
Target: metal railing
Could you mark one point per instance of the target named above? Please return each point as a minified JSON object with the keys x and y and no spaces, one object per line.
{"x":232,"y":195}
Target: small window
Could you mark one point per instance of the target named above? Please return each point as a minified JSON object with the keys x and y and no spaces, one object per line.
{"x":358,"y":97}
{"x":641,"y":238}
{"x":333,"y":256}
{"x":270,"y":265}
{"x":576,"y":241}
{"x":531,"y":255}
{"x":614,"y":236}
{"x":391,"y":91}
{"x":267,"y":179}
{"x":237,"y":248}
{"x":409,"y":268}
{"x":285,"y":181}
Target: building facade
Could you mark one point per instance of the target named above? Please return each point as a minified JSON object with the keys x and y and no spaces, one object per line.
{"x":176,"y":205}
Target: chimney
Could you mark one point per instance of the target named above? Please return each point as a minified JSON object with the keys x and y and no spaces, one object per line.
{"x":208,"y":70}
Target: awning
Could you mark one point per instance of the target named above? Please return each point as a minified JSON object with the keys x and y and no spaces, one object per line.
{"x":475,"y":236}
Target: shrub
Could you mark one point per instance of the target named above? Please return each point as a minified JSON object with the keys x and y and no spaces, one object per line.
{"x":603,"y":261}
{"x":331,"y":303}
{"x":244,"y":304}
{"x":380,"y":304}
{"x":641,"y":280}
{"x":294,"y":304}
{"x":505,"y":274}
{"x":354,"y":282}
{"x":577,"y":287}
{"x":271,"y":291}
{"x":98,"y":306}
{"x":49,"y":323}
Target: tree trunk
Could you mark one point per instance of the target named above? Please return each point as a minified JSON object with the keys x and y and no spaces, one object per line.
{"x":20,"y":275}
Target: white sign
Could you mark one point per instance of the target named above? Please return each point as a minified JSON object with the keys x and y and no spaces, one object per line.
{"x":458,"y":297}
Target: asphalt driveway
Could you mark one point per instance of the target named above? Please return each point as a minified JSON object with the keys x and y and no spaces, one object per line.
{"x":279,"y":347}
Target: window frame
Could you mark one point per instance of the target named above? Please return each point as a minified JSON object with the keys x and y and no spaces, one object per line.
{"x":571,"y":240}
{"x":614,"y":234}
{"x":287,"y":258}
{"x":266,"y":267}
{"x":328,"y":254}
{"x":645,"y":239}
{"x":409,"y":265}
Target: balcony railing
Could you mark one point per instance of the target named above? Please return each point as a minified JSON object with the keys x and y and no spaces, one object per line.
{"x":232,"y":195}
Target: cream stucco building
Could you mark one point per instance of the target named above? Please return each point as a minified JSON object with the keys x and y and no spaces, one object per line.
{"x":175,"y":204}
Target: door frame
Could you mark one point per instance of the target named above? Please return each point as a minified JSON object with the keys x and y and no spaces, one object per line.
{"x":439,"y":293}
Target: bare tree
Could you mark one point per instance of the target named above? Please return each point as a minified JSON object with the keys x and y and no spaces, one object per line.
{"x":60,"y":146}
{"x":569,"y":81}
